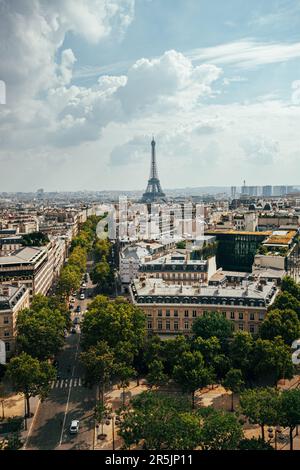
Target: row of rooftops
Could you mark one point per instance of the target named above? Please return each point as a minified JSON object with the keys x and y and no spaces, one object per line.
{"x":10,"y":296}
{"x":249,"y":293}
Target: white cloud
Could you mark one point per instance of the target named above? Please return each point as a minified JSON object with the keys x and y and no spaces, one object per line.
{"x":259,"y":150}
{"x":168,"y":81}
{"x":246,"y":53}
{"x":296,"y":92}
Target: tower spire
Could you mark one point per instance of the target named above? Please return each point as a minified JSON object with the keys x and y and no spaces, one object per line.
{"x":153,"y":191}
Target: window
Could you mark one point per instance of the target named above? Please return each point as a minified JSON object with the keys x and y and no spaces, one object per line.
{"x":252,"y":329}
{"x":251,"y":316}
{"x":241,"y":326}
{"x":194,"y":313}
{"x":159,"y":325}
{"x":159,"y":313}
{"x":7,"y":347}
{"x":224,"y":314}
{"x":261,"y":316}
{"x":175,"y":313}
{"x":5,"y":320}
{"x":186,"y":325}
{"x":186,"y":313}
{"x":176,"y":326}
{"x":232,"y":315}
{"x":241,"y":316}
{"x":168,"y":325}
{"x":167,"y":313}
{"x":149,"y":325}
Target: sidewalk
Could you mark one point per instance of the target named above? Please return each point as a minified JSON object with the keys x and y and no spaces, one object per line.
{"x":113,"y":399}
{"x":14,"y":406}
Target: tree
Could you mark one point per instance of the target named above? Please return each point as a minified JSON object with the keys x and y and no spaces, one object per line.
{"x":102,"y":248}
{"x":40,"y":329}
{"x":78,"y":258}
{"x":286,"y":301}
{"x":284,"y":323}
{"x":290,"y":411}
{"x":289,"y":285}
{"x":161,"y":422}
{"x":261,"y":406}
{"x":124,"y":373}
{"x":69,"y":280}
{"x":30,"y":376}
{"x":35,"y":239}
{"x":211,"y":350}
{"x":254,"y":444}
{"x":241,"y":351}
{"x":234,"y":381}
{"x":272,"y":360}
{"x":156,"y":375}
{"x":100,"y":413}
{"x":98,"y":361}
{"x":220,"y":430}
{"x":113,"y":322}
{"x":101,"y":272}
{"x":172,"y":349}
{"x":213,"y":324}
{"x":192,"y":374}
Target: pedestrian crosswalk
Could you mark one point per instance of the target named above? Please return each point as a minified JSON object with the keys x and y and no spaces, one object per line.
{"x":66,"y":383}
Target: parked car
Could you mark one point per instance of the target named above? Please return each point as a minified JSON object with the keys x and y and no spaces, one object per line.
{"x":78,"y":309}
{"x":76,"y":321}
{"x":82,"y":296}
{"x":83,"y":285}
{"x":72,"y":300}
{"x":73,"y":331}
{"x":74,"y":427}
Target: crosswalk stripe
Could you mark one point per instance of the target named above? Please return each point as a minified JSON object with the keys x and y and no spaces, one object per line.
{"x":64,"y":383}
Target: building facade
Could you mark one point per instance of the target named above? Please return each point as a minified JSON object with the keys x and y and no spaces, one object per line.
{"x":171,"y":310}
{"x":12,"y":300}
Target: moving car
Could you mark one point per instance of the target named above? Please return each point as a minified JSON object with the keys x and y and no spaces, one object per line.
{"x":74,"y":428}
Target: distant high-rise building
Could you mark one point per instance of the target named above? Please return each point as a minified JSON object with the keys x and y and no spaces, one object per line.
{"x":40,"y":193}
{"x":233,"y":192}
{"x":267,"y":191}
{"x":279,"y":190}
{"x":153,"y":192}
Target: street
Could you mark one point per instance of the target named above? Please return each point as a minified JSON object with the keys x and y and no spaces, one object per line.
{"x":68,"y":399}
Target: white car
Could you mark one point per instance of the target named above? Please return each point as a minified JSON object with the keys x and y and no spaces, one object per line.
{"x":83,"y":285}
{"x":82,"y":296}
{"x":74,"y":428}
{"x":72,"y":300}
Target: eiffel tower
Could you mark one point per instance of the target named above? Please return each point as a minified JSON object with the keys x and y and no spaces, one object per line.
{"x":153,"y":192}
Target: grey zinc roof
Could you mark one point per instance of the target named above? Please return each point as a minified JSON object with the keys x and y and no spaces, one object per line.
{"x":24,"y":255}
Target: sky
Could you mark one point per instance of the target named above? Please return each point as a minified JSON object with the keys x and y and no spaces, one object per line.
{"x":88,"y":82}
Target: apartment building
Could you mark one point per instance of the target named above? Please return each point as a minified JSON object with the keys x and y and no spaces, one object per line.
{"x":172,"y":309}
{"x":35,"y":267}
{"x":13,"y":299}
{"x":178,"y":267}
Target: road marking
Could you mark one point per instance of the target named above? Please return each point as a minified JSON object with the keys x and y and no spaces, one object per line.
{"x":68,"y":399}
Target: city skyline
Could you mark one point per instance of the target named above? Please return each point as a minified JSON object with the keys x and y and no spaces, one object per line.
{"x":217,"y":85}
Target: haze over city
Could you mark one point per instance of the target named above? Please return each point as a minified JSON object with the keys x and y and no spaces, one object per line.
{"x":216,"y":82}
